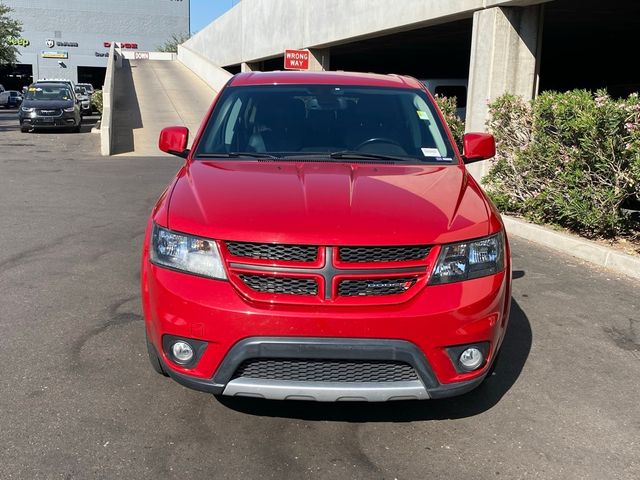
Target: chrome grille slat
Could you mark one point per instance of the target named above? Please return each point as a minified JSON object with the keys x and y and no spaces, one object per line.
{"x":51,"y":112}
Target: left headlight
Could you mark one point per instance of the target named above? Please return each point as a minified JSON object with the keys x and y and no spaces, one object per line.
{"x":69,"y":110}
{"x":196,"y":255}
{"x":471,"y":259}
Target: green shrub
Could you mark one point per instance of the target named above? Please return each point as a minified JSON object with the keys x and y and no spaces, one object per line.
{"x":448,"y":107}
{"x":570,"y":159}
{"x":96,"y":100}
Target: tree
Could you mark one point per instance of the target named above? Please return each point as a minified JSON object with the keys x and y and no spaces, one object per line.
{"x":9,"y":28}
{"x":171,"y":45}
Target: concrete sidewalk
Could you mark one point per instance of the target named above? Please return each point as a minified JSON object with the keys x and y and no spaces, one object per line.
{"x":151,"y":95}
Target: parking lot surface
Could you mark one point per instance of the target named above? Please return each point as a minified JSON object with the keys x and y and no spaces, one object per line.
{"x":78,"y":398}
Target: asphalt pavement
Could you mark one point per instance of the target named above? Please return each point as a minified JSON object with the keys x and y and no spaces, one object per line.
{"x":78,"y":399}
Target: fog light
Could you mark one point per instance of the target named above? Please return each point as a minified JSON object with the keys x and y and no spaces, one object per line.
{"x":471,"y":359}
{"x":182,"y":352}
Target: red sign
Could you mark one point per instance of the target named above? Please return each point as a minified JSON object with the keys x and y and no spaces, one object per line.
{"x":296,"y":59}
{"x":128,"y":45}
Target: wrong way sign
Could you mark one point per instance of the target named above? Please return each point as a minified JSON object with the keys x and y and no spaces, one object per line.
{"x":296,"y":59}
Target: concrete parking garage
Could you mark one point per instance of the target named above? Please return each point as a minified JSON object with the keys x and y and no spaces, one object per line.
{"x":79,"y":399}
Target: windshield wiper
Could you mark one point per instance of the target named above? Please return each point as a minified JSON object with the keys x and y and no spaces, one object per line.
{"x":376,"y":156}
{"x":236,"y":155}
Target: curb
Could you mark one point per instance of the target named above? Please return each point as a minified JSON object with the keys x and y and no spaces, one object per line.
{"x":574,"y":246}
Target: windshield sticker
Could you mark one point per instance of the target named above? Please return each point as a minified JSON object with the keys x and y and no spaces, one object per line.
{"x":431,"y":152}
{"x":422,"y":115}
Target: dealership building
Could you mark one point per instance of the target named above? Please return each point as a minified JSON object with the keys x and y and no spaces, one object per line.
{"x":70,"y":39}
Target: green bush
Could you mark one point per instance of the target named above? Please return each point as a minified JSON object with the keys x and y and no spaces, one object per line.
{"x":570,"y":159}
{"x":448,"y":107}
{"x":96,"y":100}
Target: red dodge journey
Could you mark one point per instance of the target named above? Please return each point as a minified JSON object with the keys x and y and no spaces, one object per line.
{"x":324,"y":241}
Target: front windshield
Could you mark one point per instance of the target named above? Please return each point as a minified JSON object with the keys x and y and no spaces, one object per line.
{"x":48,"y":92}
{"x":297,"y":120}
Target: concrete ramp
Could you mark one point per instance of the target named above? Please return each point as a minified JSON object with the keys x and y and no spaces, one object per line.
{"x":151,"y":95}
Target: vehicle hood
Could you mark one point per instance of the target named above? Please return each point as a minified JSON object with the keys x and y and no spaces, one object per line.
{"x":328,"y":203}
{"x":47,"y":104}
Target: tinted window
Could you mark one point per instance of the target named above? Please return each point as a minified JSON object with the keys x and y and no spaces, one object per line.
{"x":289,"y":119}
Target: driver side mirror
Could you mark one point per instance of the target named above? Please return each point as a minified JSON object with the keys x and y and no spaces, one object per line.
{"x":478,"y":146}
{"x":174,"y":140}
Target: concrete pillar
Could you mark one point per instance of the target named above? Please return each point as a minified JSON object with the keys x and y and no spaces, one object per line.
{"x":250,"y":66}
{"x":505,"y":55}
{"x":319,"y":59}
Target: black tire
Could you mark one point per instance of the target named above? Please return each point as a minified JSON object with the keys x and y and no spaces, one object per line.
{"x":24,"y":129}
{"x":77,"y":128}
{"x":154,"y":360}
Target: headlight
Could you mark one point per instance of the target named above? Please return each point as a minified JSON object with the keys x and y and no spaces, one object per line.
{"x":467,"y":260}
{"x":184,"y":252}
{"x":69,"y":110}
{"x":27,"y":109}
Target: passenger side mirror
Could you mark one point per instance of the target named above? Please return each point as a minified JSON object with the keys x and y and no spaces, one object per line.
{"x":478,"y":146}
{"x":174,"y":140}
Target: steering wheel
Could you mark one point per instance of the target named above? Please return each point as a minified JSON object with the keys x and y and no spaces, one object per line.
{"x":377,"y":140}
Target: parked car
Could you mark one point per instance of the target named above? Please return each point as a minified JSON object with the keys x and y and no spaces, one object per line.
{"x":85,"y":100}
{"x":88,"y":87}
{"x":324,"y":241}
{"x":447,"y":87}
{"x":10,"y":99}
{"x":49,"y":105}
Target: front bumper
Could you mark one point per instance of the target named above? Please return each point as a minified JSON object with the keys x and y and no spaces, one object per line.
{"x":37,"y":121}
{"x":424,"y":387}
{"x":419,"y":331}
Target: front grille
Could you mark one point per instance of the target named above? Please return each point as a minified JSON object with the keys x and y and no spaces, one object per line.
{"x":383,"y":254}
{"x":326,"y":370}
{"x":269,"y":251}
{"x":287,"y":285}
{"x":375,"y":286}
{"x":49,"y":112}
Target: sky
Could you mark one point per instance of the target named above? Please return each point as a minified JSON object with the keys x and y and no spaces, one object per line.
{"x":203,"y":12}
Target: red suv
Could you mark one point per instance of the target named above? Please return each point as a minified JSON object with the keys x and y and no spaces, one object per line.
{"x":324,"y":241}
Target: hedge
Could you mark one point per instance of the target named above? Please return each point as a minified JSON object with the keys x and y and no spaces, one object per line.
{"x":571,"y":159}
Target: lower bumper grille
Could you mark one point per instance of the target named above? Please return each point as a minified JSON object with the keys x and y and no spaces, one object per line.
{"x":326,"y":370}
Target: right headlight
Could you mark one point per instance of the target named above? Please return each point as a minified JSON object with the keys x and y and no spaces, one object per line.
{"x":186,"y":253}
{"x":27,"y":109}
{"x":470,"y":259}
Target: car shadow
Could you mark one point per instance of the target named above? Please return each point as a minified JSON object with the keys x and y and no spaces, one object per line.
{"x":513,"y":356}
